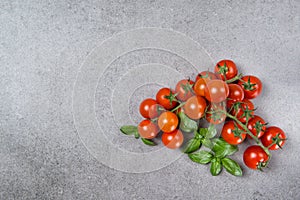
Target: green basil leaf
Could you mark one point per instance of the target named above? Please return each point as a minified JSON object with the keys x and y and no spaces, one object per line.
{"x":202,"y":157}
{"x":207,"y":143}
{"x":222,"y":148}
{"x":211,"y":131}
{"x":187,"y":124}
{"x":203,"y":131}
{"x":232,"y":167}
{"x":192,"y":145}
{"x":148,"y":142}
{"x":130,"y":130}
{"x":215,"y":167}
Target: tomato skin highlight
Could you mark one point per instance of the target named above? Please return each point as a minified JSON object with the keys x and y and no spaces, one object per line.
{"x":236,"y":92}
{"x":167,"y":121}
{"x":252,"y":125}
{"x":216,"y":91}
{"x":145,"y":107}
{"x":228,"y":135}
{"x":254,"y":156}
{"x":227,"y":66}
{"x":147,"y":129}
{"x":199,"y":87}
{"x":184,"y":89}
{"x":195,"y":107}
{"x":251,"y":85}
{"x":162,"y":98}
{"x":173,"y":140}
{"x":270,"y":133}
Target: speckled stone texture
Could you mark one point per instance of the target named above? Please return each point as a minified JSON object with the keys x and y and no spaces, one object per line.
{"x":44,"y":43}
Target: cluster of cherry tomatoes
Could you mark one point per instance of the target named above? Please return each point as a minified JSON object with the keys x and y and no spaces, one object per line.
{"x":219,"y":96}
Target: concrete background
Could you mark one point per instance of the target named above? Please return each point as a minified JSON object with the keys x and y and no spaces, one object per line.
{"x":42,"y":45}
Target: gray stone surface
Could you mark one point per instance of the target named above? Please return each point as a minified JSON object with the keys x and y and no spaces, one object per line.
{"x":42,"y":46}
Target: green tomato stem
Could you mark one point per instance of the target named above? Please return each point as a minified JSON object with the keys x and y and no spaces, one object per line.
{"x":177,"y":107}
{"x":237,"y":77}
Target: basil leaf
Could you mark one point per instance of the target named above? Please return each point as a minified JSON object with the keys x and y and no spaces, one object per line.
{"x":215,"y":167}
{"x":203,"y":131}
{"x":148,"y":142}
{"x":207,"y":143}
{"x":187,"y":124}
{"x":232,"y":167}
{"x":130,"y":130}
{"x":222,"y":148}
{"x":192,"y":145}
{"x":202,"y":157}
{"x":211,"y":131}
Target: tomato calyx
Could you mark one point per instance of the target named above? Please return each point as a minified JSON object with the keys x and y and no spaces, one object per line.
{"x":261,"y":165}
{"x":171,"y":97}
{"x":248,"y":85}
{"x":247,"y":113}
{"x":187,"y":88}
{"x":223,"y":69}
{"x":277,"y":140}
{"x":259,"y":126}
{"x":237,"y":132}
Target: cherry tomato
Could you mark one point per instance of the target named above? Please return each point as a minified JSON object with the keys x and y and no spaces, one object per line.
{"x":145,"y":107}
{"x":227,"y":68}
{"x":147,"y":129}
{"x":166,"y":98}
{"x":199,"y":87}
{"x":257,"y":126}
{"x":184,"y":89}
{"x":273,"y":135}
{"x":194,"y":107}
{"x":216,"y":91}
{"x":232,"y":133}
{"x":242,"y":109}
{"x":236,"y":92}
{"x":215,"y":113}
{"x":172,"y":140}
{"x":251,"y":85}
{"x":255,"y":157}
{"x":206,"y":76}
{"x":167,"y":121}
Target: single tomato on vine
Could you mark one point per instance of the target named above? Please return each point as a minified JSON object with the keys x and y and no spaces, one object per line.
{"x":173,"y":139}
{"x":145,"y":107}
{"x":167,"y":121}
{"x":236,"y":92}
{"x":226,"y":69}
{"x":166,"y":98}
{"x":255,"y":157}
{"x":232,"y":133}
{"x":251,"y":85}
{"x":194,"y":107}
{"x":216,"y":91}
{"x":274,"y":138}
{"x":256,"y":126}
{"x":215,"y":113}
{"x":147,"y":129}
{"x":243,"y":110}
{"x":199,"y":87}
{"x":184,"y":89}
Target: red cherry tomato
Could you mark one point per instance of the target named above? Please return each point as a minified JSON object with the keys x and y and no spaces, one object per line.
{"x":256,"y":126}
{"x":215,"y":113}
{"x":145,"y":107}
{"x":184,"y":89}
{"x":206,"y":76}
{"x":233,"y":134}
{"x":216,"y":91}
{"x":242,"y":109}
{"x":255,"y":157}
{"x":236,"y":92}
{"x":194,"y":107}
{"x":167,"y":121}
{"x":172,"y":140}
{"x":273,"y":135}
{"x":227,"y":68}
{"x":147,"y":129}
{"x":251,"y":85}
{"x":199,"y":87}
{"x":166,"y":98}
